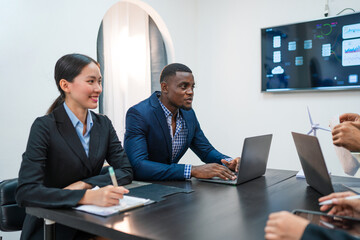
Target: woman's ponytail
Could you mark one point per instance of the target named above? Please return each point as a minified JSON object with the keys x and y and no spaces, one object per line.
{"x":56,"y":103}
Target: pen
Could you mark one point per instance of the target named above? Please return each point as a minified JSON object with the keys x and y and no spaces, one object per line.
{"x":113,"y":179}
{"x":327,"y":202}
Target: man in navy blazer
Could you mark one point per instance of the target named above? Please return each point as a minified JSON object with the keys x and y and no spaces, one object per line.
{"x":160,"y":129}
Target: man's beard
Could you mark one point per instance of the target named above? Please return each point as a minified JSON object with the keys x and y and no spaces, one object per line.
{"x":183,"y":107}
{"x":186,"y":108}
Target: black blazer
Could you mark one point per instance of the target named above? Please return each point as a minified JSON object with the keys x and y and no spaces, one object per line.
{"x":55,"y":158}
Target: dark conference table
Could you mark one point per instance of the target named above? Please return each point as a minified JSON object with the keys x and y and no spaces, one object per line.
{"x":211,"y":211}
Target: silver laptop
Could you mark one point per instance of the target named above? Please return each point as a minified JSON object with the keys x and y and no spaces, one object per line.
{"x":253,"y":161}
{"x":313,"y":165}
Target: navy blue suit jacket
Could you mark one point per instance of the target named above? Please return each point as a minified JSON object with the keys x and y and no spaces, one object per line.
{"x":148,"y":142}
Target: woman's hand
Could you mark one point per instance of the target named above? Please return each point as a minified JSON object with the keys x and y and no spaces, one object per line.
{"x":342,"y":206}
{"x":104,"y":197}
{"x":332,"y":196}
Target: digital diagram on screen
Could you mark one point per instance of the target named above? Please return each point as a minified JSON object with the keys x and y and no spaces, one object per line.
{"x":317,"y":54}
{"x":351,"y":52}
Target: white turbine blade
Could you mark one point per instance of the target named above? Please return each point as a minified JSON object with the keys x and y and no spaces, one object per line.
{"x":310,"y":131}
{"x":325,"y":129}
{"x":309,"y":116}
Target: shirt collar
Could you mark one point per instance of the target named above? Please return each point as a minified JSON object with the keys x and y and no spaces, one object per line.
{"x":75,"y":121}
{"x":166,"y":111}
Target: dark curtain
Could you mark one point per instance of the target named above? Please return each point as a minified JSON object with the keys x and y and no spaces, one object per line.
{"x":100,"y":59}
{"x":158,"y":58}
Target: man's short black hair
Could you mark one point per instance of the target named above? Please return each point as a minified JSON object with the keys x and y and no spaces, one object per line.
{"x":171,"y":69}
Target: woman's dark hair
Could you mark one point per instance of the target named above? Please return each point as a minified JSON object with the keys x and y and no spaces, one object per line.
{"x":68,"y":67}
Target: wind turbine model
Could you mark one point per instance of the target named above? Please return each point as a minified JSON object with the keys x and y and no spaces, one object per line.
{"x":315,"y":126}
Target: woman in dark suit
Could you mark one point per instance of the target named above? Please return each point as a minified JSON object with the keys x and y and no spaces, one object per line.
{"x":67,"y":149}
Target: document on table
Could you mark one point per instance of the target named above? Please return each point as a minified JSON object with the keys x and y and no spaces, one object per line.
{"x":127,"y":203}
{"x":300,"y":174}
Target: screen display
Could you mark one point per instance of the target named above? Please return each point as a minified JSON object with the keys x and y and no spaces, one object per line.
{"x":317,"y":55}
{"x":350,"y":225}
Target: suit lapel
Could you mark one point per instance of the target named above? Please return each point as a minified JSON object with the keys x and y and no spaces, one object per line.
{"x":160,"y":116}
{"x":189,"y":125}
{"x":69,"y":134}
{"x":94,"y":141}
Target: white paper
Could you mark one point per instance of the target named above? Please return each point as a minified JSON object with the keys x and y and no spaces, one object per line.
{"x":348,"y":162}
{"x":300,"y":174}
{"x":126,"y":203}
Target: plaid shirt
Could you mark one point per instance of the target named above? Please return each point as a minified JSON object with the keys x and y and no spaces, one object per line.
{"x":178,"y":139}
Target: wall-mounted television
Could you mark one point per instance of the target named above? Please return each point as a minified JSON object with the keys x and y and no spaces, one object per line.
{"x":316,"y":55}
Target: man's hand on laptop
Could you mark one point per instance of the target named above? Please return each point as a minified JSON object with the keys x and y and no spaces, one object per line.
{"x":233,"y":164}
{"x":211,"y":170}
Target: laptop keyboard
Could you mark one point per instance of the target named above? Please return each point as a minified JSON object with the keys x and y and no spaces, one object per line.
{"x":224,"y":181}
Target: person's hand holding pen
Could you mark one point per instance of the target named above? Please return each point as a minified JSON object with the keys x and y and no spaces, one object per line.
{"x":105,"y":196}
{"x":341,"y":204}
{"x":114,"y":181}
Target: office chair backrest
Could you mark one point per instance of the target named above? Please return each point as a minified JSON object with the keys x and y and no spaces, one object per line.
{"x":11,"y":215}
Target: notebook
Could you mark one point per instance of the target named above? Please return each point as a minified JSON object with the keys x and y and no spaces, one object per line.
{"x":127,"y":203}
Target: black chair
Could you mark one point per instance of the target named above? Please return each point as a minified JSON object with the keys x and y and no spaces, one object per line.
{"x":12,"y":216}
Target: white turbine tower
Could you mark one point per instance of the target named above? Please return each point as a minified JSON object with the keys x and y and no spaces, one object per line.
{"x":315,"y":126}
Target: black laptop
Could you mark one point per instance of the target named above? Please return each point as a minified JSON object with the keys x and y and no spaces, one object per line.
{"x":313,"y":165}
{"x":253,"y":161}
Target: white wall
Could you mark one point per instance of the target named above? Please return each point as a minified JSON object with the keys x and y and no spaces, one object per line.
{"x":228,"y":100}
{"x":219,"y":40}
